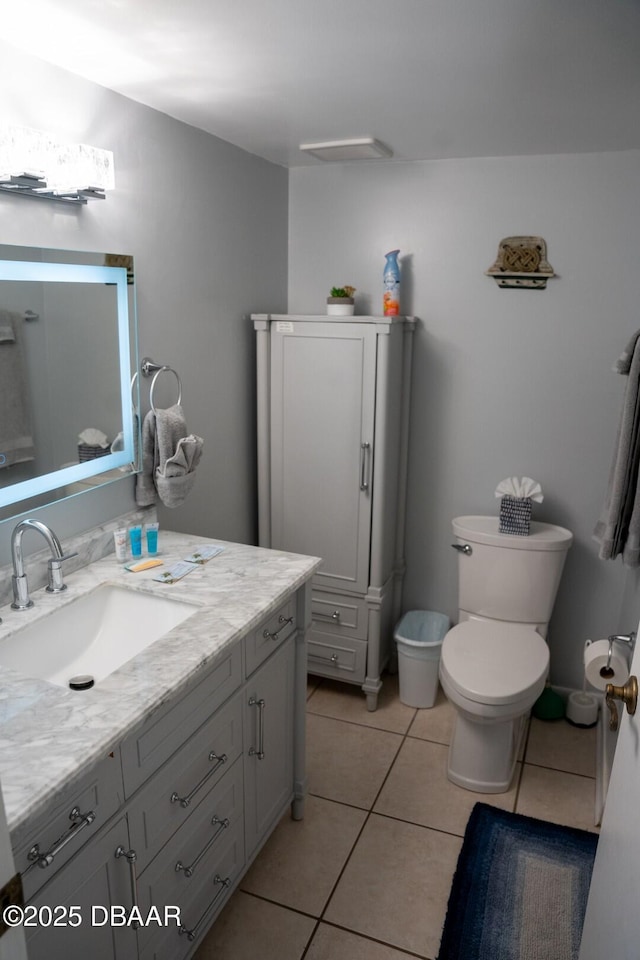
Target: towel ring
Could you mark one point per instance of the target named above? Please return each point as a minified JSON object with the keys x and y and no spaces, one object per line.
{"x":153,"y":383}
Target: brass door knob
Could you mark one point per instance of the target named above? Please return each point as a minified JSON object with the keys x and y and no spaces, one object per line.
{"x":628,"y":694}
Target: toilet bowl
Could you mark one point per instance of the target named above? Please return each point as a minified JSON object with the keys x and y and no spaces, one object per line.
{"x":495,"y":662}
{"x":492,"y":673}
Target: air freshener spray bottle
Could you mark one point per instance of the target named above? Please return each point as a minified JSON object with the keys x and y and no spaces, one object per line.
{"x":391,"y":280}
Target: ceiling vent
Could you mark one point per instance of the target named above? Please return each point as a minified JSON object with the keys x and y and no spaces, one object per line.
{"x":364,"y":148}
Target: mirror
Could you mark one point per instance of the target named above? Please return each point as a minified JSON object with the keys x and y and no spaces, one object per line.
{"x":67,"y":356}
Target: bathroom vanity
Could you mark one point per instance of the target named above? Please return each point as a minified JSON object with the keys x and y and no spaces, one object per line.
{"x":157,"y":787}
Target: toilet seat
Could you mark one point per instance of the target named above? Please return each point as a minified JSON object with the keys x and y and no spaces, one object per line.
{"x":493,"y":663}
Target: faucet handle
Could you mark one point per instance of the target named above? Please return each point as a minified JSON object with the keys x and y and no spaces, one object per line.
{"x":56,"y":582}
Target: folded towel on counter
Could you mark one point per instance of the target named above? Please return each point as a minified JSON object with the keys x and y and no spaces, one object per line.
{"x":169,"y":458}
{"x":618,"y":528}
{"x":16,"y":440}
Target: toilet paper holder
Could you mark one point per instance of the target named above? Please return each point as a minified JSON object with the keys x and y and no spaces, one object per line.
{"x":628,"y":638}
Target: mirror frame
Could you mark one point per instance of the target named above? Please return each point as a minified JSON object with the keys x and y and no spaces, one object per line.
{"x":26,"y":270}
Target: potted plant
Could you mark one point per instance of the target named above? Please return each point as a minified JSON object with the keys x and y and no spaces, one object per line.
{"x":340,"y":302}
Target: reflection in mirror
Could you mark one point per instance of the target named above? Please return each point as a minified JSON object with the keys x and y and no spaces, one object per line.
{"x":67,"y":355}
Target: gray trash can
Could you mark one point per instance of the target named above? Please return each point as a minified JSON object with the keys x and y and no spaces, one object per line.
{"x":419,"y":637}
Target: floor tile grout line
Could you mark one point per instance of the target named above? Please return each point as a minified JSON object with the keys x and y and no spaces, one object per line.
{"x":330,"y":923}
{"x":382,"y":943}
{"x":369,"y":811}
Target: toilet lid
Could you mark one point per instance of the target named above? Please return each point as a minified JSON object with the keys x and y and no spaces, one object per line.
{"x":491,"y":662}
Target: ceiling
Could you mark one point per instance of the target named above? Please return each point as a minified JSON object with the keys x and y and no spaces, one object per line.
{"x":432,"y":79}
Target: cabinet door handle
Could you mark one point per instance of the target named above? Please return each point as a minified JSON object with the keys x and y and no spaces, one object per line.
{"x":335,"y":616}
{"x":131,"y":856}
{"x":259,"y":753}
{"x":188,"y":871}
{"x":365,"y":459}
{"x":333,"y":659}
{"x":80,"y":821}
{"x":193,"y":932}
{"x":185,"y":801}
{"x":274,"y":636}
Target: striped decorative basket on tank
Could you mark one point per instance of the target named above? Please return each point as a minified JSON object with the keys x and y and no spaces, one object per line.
{"x":515,"y":515}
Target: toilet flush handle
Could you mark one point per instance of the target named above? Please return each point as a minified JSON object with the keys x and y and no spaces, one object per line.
{"x":463,"y":548}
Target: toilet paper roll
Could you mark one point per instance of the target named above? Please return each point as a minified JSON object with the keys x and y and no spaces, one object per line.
{"x":596,"y":655}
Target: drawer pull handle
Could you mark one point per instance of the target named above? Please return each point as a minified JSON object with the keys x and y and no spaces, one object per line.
{"x":333,"y":659}
{"x":192,"y":934}
{"x":259,"y":753}
{"x":80,"y":821}
{"x":188,"y":871}
{"x":335,"y":616}
{"x":131,"y":856}
{"x":283,"y":621}
{"x":185,"y":801}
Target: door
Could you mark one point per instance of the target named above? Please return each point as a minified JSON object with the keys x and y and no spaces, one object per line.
{"x":268,"y":770}
{"x":322,"y":424}
{"x":612,"y":921}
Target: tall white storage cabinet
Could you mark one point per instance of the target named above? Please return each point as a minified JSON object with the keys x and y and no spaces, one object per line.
{"x":333,"y":410}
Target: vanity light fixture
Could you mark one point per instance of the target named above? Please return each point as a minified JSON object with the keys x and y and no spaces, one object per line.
{"x":364,"y":148}
{"x":35,"y":164}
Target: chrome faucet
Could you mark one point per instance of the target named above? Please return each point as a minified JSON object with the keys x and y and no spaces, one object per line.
{"x":56,"y":584}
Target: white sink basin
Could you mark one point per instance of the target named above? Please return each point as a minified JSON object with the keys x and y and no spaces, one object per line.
{"x":92,"y":636}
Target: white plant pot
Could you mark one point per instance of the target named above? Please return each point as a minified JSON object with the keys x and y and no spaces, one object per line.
{"x":343,"y":309}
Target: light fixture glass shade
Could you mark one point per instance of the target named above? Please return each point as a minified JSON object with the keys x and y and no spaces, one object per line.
{"x":363,"y":148}
{"x":57,"y":169}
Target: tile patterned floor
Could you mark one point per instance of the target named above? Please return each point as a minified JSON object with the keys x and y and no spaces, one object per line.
{"x":366,"y":875}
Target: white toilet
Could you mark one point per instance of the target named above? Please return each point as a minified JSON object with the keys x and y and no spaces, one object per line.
{"x":494,"y":663}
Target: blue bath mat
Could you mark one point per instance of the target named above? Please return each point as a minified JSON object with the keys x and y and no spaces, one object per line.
{"x":519,"y":890}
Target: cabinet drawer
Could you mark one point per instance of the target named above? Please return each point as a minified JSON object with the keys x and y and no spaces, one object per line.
{"x":200,"y":899}
{"x":167,"y":730}
{"x":342,"y":658}
{"x":75,"y":817}
{"x":260,"y":644}
{"x":190,"y":778}
{"x":339,"y":614}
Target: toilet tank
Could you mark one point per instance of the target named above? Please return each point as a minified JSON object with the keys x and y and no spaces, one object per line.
{"x":508,"y":577}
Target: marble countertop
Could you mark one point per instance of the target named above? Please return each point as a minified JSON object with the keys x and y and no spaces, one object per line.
{"x":50,"y":735}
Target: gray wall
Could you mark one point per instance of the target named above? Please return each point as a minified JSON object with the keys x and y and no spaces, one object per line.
{"x":207,"y":226}
{"x":505,"y":382}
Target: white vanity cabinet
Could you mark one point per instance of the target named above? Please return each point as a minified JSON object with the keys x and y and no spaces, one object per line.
{"x":196,"y":791}
{"x":333,"y":408}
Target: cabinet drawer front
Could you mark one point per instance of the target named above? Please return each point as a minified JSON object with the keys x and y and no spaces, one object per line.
{"x":343,"y":658}
{"x":335,"y":613}
{"x":200,"y":899}
{"x":60,"y":835}
{"x":260,"y":644}
{"x":189,"y":778}
{"x":167,"y":730}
